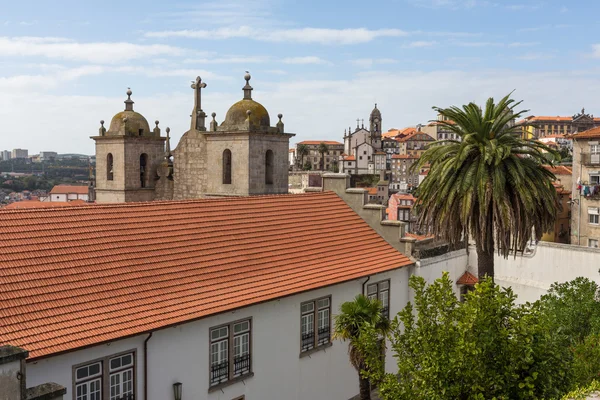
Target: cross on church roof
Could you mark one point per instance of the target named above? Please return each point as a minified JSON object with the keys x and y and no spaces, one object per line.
{"x":198,"y":115}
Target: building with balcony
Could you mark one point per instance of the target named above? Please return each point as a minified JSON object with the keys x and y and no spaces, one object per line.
{"x":544,"y":126}
{"x":585,"y":210}
{"x":402,"y":176}
{"x":318,"y":162}
{"x":19,"y":153}
{"x":400,"y":208}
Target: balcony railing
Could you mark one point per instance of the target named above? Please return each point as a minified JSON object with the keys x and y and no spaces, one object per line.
{"x":129,"y":396}
{"x":308,"y":341}
{"x":324,"y":335}
{"x":241,"y":365}
{"x":590,"y":158}
{"x":385,"y":311}
{"x":219,"y":372}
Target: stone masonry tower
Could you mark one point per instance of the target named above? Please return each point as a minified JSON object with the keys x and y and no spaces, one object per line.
{"x":375,"y":128}
{"x":127,"y":156}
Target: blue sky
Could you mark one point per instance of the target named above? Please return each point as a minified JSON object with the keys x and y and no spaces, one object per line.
{"x":67,"y":64}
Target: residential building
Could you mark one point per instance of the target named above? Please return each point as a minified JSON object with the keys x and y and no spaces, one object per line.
{"x":19,"y":153}
{"x":558,"y":142}
{"x":438,"y":131}
{"x":230,"y":297}
{"x":6,"y":155}
{"x":48,"y":155}
{"x":561,"y":233}
{"x":543,"y":126}
{"x":400,"y":209}
{"x":402,"y":176}
{"x":63,"y":193}
{"x":292,"y":157}
{"x":414,"y":144}
{"x":363,"y":148}
{"x":326,"y":163}
{"x":585,"y":206}
{"x":243,"y":155}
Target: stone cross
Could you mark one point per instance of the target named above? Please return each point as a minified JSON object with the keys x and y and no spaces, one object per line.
{"x":198,"y":115}
{"x":357,"y":121}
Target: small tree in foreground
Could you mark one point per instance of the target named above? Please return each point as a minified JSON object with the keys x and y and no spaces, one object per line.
{"x":486,"y":347}
{"x":361,"y":314}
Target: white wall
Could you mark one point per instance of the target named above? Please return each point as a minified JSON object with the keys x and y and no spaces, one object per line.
{"x":181,"y":354}
{"x":455,"y":263}
{"x":531,"y":276}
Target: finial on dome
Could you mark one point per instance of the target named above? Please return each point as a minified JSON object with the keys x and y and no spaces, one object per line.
{"x":129,"y":102}
{"x":213,"y":123}
{"x":102,"y":129}
{"x":375,"y":105}
{"x":248,"y":112}
{"x":168,"y":130}
{"x":156,"y":129}
{"x":280,"y":123}
{"x":247,"y":88}
{"x":168,"y":142}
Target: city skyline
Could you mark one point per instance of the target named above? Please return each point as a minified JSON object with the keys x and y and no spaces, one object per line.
{"x":321,"y":66}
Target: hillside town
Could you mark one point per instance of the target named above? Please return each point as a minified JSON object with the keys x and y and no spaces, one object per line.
{"x":299,"y":201}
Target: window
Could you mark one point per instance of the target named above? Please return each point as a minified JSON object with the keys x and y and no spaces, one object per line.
{"x":594,"y":179}
{"x":89,"y":379}
{"x":225,"y":364}
{"x":269,"y":167}
{"x":109,"y":167}
{"x":88,"y":382}
{"x":595,"y":148}
{"x":315,"y":323}
{"x":121,"y":377}
{"x":593,"y":243}
{"x":143,"y":169}
{"x":593,"y":215}
{"x":227,"y":167}
{"x":381,"y":291}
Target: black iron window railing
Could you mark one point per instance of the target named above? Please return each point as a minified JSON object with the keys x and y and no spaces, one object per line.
{"x":219,"y":372}
{"x":324,"y":335}
{"x":385,"y":311}
{"x":241,"y":365}
{"x":308,"y":341}
{"x":129,"y":396}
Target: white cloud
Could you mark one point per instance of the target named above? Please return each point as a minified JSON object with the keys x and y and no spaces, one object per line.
{"x":478,"y":44}
{"x":421,"y":43}
{"x":536,"y":56}
{"x":596,"y":50}
{"x":95,"y":52}
{"x":523,"y":44}
{"x":369,"y":62}
{"x":305,"y":60}
{"x":301,"y":35}
{"x":229,"y":60}
{"x":452,"y":4}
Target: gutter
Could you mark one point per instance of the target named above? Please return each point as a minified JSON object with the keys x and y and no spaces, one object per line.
{"x":364,"y":283}
{"x":146,"y":365}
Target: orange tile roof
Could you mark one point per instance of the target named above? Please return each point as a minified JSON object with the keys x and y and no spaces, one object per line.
{"x":120,"y":270}
{"x":350,"y":158}
{"x":559,"y":169}
{"x":424,"y":173}
{"x":467,"y":279}
{"x":292,"y":150}
{"x":419,"y":237}
{"x":589,"y":134}
{"x":44,"y":204}
{"x":69,"y":189}
{"x":404,"y":196}
{"x":373,"y":191}
{"x":317,"y":142}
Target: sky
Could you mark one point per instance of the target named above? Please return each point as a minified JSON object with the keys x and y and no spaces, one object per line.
{"x":65,"y":65}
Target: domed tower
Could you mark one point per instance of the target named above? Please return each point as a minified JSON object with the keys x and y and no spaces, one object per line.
{"x":126,"y":157}
{"x":375,"y":121}
{"x":247,"y":155}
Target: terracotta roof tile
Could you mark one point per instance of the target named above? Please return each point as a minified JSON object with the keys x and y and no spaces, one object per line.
{"x":418,"y":237}
{"x":467,"y":279}
{"x":372,"y":191}
{"x":589,"y":134}
{"x":559,"y":170}
{"x":350,"y":158}
{"x":69,"y":189}
{"x":44,"y":204}
{"x":124,"y":269}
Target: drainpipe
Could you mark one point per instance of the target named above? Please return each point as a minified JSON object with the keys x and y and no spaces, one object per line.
{"x":364,"y":283}
{"x":579,"y":219}
{"x":146,"y":365}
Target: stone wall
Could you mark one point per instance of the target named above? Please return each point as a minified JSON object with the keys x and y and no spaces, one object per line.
{"x":259,"y":145}
{"x":189,"y":166}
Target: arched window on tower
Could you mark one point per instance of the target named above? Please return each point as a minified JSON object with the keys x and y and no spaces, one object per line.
{"x":269,"y":167}
{"x":143,"y":170}
{"x":109,"y":167}
{"x":227,"y":167}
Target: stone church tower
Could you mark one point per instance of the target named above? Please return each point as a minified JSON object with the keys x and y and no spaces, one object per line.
{"x":375,"y":127}
{"x":125,"y":156}
{"x":243,"y":156}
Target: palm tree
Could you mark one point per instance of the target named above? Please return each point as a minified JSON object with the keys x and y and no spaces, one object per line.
{"x":323,"y":149}
{"x":355,"y":315}
{"x":302,"y":151}
{"x":490,"y":186}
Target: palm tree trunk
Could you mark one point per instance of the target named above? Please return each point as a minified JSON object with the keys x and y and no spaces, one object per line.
{"x":485,"y":263}
{"x":365,"y":388}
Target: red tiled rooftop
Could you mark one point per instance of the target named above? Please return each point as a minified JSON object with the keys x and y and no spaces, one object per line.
{"x":350,"y":158}
{"x":589,"y":134}
{"x":44,"y":204}
{"x":418,"y":237}
{"x":559,"y":169}
{"x":124,"y":269}
{"x":467,"y":279}
{"x":373,"y":191}
{"x":69,"y":189}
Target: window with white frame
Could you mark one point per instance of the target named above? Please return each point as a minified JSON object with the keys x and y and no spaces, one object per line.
{"x":593,"y":215}
{"x":381,"y":292}
{"x":595,"y":148}
{"x":315,"y":323}
{"x":88,"y":382}
{"x":595,"y":179}
{"x":593,"y":243}
{"x":121,"y":377}
{"x":224,"y":363}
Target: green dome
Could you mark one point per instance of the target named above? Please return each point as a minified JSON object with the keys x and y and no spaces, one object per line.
{"x":129,"y":123}
{"x":237,"y":114}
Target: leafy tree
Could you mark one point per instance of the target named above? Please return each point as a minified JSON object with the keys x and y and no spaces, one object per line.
{"x":483,"y":348}
{"x":355,"y":316}
{"x":489,"y":186}
{"x":323,"y":149}
{"x":302,"y":151}
{"x":307,"y":166}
